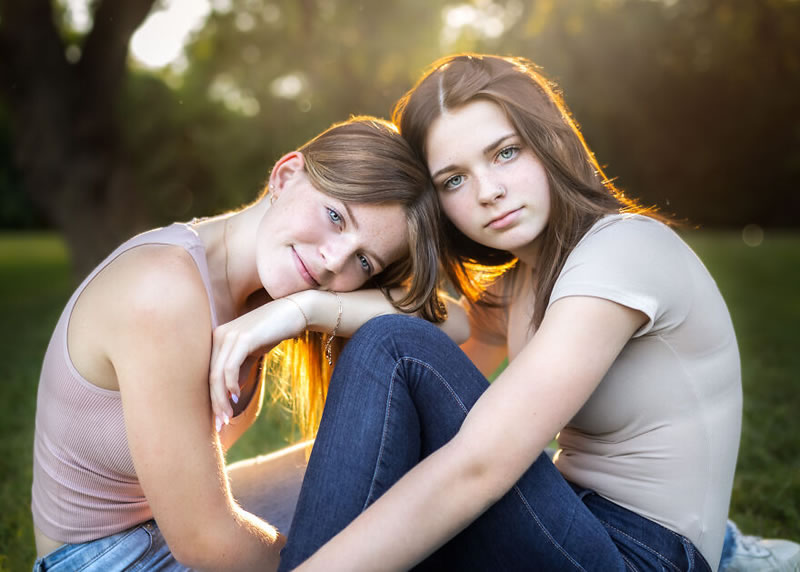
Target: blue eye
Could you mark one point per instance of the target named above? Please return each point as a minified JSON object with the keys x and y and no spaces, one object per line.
{"x":508,"y":152}
{"x":365,"y":265}
{"x":454,"y":181}
{"x":335,"y":217}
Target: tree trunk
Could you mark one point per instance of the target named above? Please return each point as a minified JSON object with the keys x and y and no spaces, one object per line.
{"x":66,"y":134}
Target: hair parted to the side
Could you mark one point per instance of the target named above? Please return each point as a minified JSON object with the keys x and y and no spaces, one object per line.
{"x":579,"y":191}
{"x":364,"y":160}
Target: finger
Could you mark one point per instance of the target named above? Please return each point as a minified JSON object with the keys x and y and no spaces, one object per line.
{"x":231,"y":376}
{"x":219,"y":394}
{"x":235,"y":360}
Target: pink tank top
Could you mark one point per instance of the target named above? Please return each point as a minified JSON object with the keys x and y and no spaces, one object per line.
{"x":84,"y":483}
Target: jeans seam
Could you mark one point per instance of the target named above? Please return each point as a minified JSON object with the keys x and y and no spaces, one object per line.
{"x":690,"y":551}
{"x":544,"y":529}
{"x":460,"y":403}
{"x":439,"y":376}
{"x":137,"y":565}
{"x":387,"y":412}
{"x":383,"y":437}
{"x":642,"y":544}
{"x":628,"y":563}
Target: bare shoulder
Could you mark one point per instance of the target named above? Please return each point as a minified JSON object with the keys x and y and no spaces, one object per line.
{"x":151,"y":291}
{"x":153,"y":277}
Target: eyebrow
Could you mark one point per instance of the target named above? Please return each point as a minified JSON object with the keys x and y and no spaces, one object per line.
{"x":486,"y":150}
{"x":352,"y":219}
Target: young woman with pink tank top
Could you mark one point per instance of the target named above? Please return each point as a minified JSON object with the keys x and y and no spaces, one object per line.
{"x":129,"y":466}
{"x":618,"y":341}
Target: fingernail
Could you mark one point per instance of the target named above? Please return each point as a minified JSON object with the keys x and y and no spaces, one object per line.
{"x":226,"y":418}
{"x":234,"y":398}
{"x":218,"y":423}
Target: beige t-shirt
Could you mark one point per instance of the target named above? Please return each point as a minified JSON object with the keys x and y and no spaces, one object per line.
{"x":660,"y":434}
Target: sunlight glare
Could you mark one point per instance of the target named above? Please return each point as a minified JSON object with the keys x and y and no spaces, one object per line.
{"x":78,"y":15}
{"x":484,"y":17}
{"x":159,"y":40}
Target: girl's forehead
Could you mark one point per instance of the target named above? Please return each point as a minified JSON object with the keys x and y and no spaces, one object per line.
{"x":473,"y":127}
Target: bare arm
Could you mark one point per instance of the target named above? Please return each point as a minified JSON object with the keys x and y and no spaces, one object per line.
{"x":265,"y":327}
{"x":158,"y":340}
{"x":362,"y":305}
{"x":502,"y":435}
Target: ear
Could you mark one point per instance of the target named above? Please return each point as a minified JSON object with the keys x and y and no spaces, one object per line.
{"x":286,"y":171}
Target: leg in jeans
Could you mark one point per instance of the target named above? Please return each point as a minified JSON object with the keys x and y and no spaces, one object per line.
{"x":401,"y":389}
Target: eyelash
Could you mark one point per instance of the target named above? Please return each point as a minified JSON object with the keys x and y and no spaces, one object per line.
{"x":446,"y":185}
{"x":363,"y":260}
{"x":332,"y":213}
{"x":514,"y":148}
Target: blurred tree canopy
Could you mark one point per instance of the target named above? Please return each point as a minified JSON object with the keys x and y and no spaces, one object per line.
{"x":693,"y":105}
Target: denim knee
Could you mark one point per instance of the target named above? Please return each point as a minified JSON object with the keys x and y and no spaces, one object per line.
{"x":391,"y":329}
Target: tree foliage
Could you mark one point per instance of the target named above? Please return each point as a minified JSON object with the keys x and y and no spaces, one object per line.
{"x":691,"y":104}
{"x":64,"y":118}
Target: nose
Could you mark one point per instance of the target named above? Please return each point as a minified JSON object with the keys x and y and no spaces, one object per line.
{"x":337,"y":251}
{"x":490,"y":190}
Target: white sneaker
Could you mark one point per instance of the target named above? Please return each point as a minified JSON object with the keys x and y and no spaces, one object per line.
{"x":756,"y":554}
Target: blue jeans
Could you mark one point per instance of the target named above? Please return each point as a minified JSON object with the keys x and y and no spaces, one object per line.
{"x":139,"y":548}
{"x":728,"y":546}
{"x":401,"y":389}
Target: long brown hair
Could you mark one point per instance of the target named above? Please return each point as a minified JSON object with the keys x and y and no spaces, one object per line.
{"x":364,"y":160}
{"x":579,"y":191}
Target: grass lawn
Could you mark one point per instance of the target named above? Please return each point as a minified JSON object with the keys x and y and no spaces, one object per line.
{"x":760,"y":285}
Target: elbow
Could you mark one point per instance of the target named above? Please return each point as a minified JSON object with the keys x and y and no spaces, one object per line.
{"x":485,"y":480}
{"x":227,"y":544}
{"x":198,"y":549}
{"x":488,"y":486}
{"x":192,"y":553}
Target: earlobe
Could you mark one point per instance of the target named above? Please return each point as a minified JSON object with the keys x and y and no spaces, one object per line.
{"x":285,"y":171}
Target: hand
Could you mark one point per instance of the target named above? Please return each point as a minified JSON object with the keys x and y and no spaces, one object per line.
{"x":257,"y":331}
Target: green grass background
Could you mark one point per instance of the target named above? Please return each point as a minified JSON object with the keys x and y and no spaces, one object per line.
{"x":761,"y":286}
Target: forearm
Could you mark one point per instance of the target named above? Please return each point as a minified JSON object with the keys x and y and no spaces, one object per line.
{"x":444,"y":493}
{"x":421,"y":512}
{"x":218,"y":534}
{"x":321,"y":310}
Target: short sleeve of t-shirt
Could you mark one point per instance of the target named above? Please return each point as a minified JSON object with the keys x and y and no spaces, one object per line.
{"x":634,"y":261}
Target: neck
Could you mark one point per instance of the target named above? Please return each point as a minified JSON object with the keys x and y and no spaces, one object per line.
{"x":230,"y":249}
{"x":225,"y":225}
{"x":216,"y":234}
{"x":530,"y":254}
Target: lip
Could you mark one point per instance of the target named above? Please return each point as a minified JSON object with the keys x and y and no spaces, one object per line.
{"x":504,"y":220}
{"x":305,"y":273}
